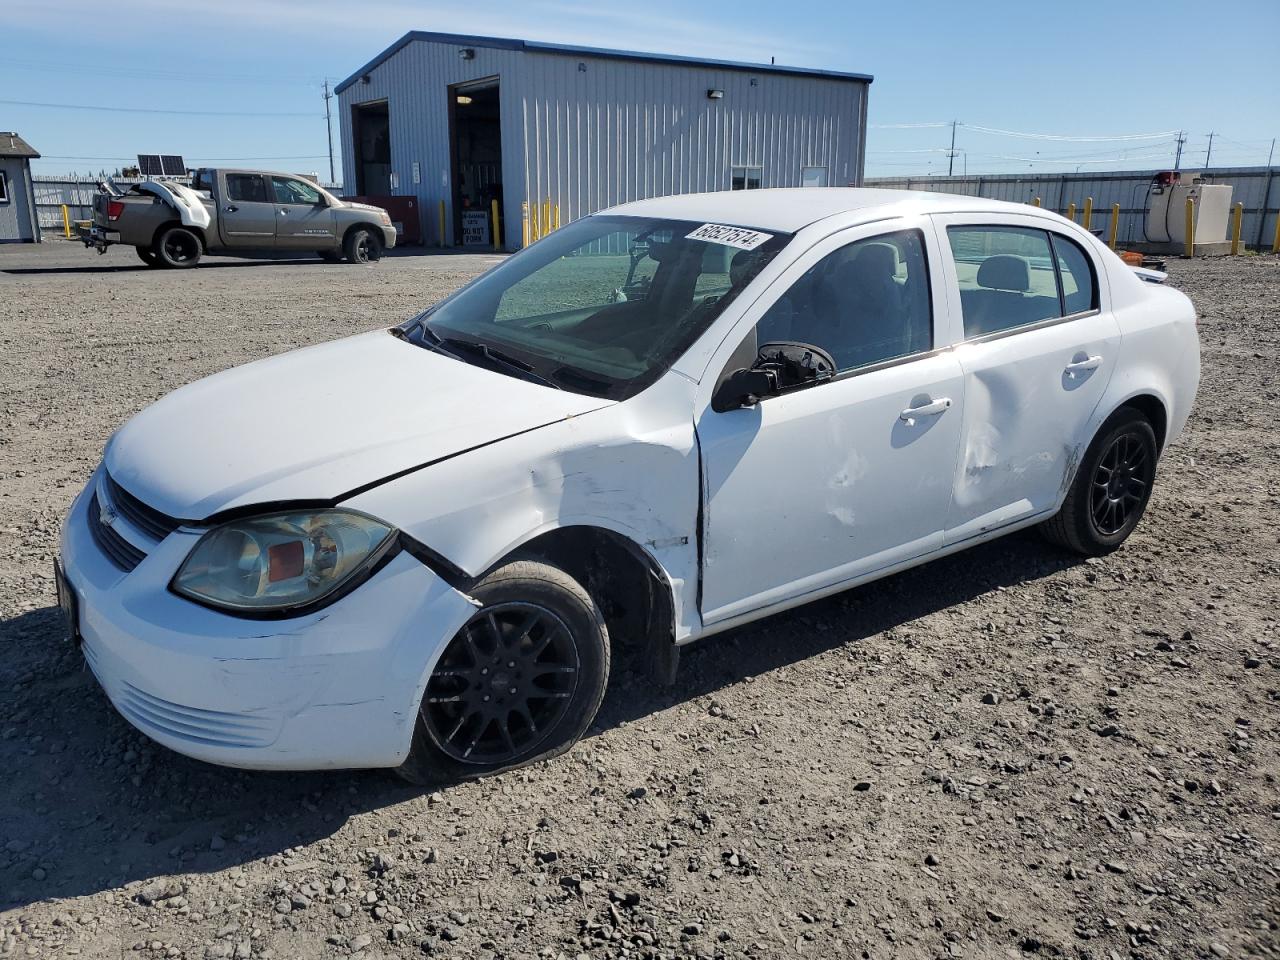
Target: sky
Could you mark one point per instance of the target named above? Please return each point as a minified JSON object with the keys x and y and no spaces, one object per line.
{"x":1034,"y":86}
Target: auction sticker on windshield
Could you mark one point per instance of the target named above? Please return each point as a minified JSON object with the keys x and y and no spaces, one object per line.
{"x":729,"y":236}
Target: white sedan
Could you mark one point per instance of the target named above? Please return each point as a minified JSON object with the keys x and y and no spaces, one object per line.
{"x":415,"y":548}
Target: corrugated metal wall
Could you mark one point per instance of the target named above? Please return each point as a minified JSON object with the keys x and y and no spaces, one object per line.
{"x":1258,"y":188}
{"x":599,"y":131}
{"x":15,"y":212}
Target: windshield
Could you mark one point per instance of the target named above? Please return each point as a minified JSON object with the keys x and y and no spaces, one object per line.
{"x":603,"y":306}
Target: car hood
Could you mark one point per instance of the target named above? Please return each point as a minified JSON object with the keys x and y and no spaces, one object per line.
{"x":320,"y":422}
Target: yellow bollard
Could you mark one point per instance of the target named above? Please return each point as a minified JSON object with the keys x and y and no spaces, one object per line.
{"x":66,"y":222}
{"x":557,"y":216}
{"x":493,"y":215}
{"x":1071,"y":211}
{"x":1114,"y":227}
{"x":1035,"y":202}
{"x":524,"y":223}
{"x":1087,"y":220}
{"x":537,"y":225}
{"x":1275,"y":244}
{"x":1191,"y":227}
{"x":1237,"y":217}
{"x":442,"y":241}
{"x":546,"y":216}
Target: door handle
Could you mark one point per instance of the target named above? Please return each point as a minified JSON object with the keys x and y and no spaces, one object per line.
{"x":1083,"y":366}
{"x":931,"y":409}
{"x":230,"y":208}
{"x":284,"y":212}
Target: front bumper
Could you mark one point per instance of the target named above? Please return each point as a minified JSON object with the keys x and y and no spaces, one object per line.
{"x":389,"y":237}
{"x":336,"y":688}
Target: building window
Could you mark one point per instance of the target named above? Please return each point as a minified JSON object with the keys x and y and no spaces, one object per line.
{"x":813,"y":177}
{"x":4,"y":187}
{"x":745,"y":178}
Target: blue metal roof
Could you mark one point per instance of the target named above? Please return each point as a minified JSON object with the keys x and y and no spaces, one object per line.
{"x":535,"y":46}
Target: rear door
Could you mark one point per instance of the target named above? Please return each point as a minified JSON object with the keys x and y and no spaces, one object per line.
{"x":1038,"y":346}
{"x":304,"y":220}
{"x":246,"y":213}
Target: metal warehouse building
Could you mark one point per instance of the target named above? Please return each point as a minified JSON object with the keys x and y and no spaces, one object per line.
{"x":571,"y":130}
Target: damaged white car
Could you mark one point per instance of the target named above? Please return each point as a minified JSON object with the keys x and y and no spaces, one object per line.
{"x":415,"y":548}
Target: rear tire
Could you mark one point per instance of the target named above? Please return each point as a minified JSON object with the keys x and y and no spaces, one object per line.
{"x":1111,"y":489}
{"x":362,"y":245}
{"x":522,"y":681}
{"x":178,"y":248}
{"x":148,"y":256}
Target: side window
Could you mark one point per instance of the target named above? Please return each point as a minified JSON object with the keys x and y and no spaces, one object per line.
{"x":289,"y":190}
{"x":246,"y":187}
{"x":4,"y":187}
{"x":864,"y":303}
{"x":1079,"y":285}
{"x":1007,"y":277}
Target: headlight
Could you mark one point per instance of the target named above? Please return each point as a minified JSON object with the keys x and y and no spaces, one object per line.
{"x":282,"y":561}
{"x":386,"y":218}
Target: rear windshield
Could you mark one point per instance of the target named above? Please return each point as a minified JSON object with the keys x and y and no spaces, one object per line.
{"x":605,"y":305}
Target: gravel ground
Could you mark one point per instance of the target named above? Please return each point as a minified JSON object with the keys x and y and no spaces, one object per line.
{"x":1009,"y":752}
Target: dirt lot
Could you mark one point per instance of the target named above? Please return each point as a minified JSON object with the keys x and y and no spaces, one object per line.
{"x":1010,"y":752}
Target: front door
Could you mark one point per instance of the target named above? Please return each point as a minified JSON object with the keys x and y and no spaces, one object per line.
{"x":829,"y":482}
{"x":304,"y":220}
{"x":1038,"y":351}
{"x":247,"y":214}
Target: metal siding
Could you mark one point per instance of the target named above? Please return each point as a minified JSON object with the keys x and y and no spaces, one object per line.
{"x":15,"y":213}
{"x":620,"y":130}
{"x":1129,"y":189}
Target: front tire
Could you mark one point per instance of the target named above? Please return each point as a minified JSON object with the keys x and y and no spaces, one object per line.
{"x":1111,"y":489}
{"x":520,"y":682}
{"x":178,"y":248}
{"x":362,"y":245}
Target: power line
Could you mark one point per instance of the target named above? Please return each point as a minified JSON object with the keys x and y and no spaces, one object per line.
{"x":1162,"y":135}
{"x":144,"y":73}
{"x":152,"y":110}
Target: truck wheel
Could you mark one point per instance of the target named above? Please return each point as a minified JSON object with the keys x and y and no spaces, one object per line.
{"x":148,"y":256}
{"x":362,"y":245}
{"x":178,"y":247}
{"x":521,"y":681}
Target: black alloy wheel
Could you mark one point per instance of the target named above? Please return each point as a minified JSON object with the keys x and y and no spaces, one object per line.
{"x":502,"y":684}
{"x":1121,"y":483}
{"x":520,"y":681}
{"x":178,"y":247}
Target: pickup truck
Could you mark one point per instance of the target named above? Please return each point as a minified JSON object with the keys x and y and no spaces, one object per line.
{"x":235,"y":212}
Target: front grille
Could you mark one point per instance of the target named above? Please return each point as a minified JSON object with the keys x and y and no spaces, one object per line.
{"x":119,"y":550}
{"x":147,"y":519}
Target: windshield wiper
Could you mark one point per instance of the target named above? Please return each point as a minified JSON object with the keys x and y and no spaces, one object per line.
{"x":497,"y":358}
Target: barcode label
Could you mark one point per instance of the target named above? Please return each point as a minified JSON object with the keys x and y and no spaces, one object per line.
{"x":738,"y":237}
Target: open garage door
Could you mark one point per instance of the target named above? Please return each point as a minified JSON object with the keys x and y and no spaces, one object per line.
{"x":371,"y":138}
{"x":475,"y":134}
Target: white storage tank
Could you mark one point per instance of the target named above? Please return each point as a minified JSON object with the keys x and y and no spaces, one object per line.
{"x":1167,"y":203}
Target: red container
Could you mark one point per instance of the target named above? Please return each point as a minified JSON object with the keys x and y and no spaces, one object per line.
{"x":404,"y":214}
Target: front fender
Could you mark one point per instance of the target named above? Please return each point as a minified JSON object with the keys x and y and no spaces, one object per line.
{"x":631,"y":468}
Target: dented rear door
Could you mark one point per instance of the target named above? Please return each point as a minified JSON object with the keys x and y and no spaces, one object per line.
{"x":1031,"y":388}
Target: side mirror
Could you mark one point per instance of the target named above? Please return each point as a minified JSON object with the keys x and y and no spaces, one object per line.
{"x":743,"y":388}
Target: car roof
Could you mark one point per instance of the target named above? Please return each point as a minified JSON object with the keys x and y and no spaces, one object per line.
{"x":790,"y":209}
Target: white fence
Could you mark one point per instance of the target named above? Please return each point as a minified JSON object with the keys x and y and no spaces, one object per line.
{"x":1258,"y":188}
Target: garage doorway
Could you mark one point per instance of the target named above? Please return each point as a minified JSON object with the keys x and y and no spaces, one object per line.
{"x":475,"y":136}
{"x":371,"y":138}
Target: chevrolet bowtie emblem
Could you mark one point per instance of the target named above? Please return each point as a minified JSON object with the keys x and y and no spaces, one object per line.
{"x":106,"y":515}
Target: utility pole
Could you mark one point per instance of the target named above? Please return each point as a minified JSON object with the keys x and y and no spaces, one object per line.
{"x":951,"y":154}
{"x":1209,"y":152}
{"x":1271,"y":152}
{"x":1177,"y":157}
{"x":328,"y":129}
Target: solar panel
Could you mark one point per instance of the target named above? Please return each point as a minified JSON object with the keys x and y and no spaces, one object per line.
{"x":173,"y":166}
{"x":149,"y":165}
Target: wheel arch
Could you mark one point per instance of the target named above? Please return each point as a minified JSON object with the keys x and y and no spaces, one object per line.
{"x":1151,"y":407}
{"x":632,"y":589}
{"x":361,"y":224}
{"x":199,"y":233}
